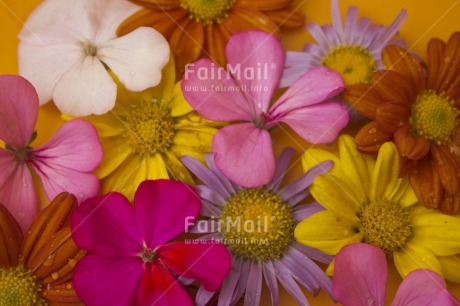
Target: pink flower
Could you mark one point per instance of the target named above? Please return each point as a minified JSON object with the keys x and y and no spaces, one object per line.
{"x":130,"y":261}
{"x":67,"y":47}
{"x":63,"y":163}
{"x":243,"y":151}
{"x":360,"y":277}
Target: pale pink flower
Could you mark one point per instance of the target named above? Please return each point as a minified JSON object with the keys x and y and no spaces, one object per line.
{"x":67,"y":47}
{"x":63,"y":163}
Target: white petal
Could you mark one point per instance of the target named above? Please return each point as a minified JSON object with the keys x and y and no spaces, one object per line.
{"x":44,"y":66}
{"x":85,"y":89}
{"x":136,"y":58}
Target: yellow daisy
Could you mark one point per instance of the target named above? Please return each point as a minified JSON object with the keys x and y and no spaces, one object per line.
{"x":146,"y":133}
{"x":365,"y":201}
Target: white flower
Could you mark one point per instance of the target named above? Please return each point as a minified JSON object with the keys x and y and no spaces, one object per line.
{"x":67,"y":47}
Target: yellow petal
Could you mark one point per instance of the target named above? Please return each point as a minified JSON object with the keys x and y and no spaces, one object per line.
{"x":156,"y":168}
{"x":404,"y":194}
{"x":437,"y":232}
{"x":414,"y":257}
{"x":116,"y":151}
{"x":179,"y":106}
{"x":335,"y":195}
{"x":194,"y":141}
{"x":107,"y":125}
{"x":385,"y":175}
{"x":176,"y":169}
{"x":326,"y":231}
{"x":314,"y":156}
{"x":450,"y":266}
{"x":330,"y":269}
{"x":165,"y":89}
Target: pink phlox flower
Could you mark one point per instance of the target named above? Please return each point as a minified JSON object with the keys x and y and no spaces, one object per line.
{"x":67,"y":47}
{"x":64,"y":163}
{"x":131,"y":260}
{"x":243,"y":151}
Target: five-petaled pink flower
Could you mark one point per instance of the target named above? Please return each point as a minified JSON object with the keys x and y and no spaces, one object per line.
{"x":63,"y":163}
{"x":360,"y":279}
{"x":130,"y":261}
{"x":243,"y":92}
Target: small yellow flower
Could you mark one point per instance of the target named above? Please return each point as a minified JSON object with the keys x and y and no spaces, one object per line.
{"x":146,"y":133}
{"x":366,"y":202}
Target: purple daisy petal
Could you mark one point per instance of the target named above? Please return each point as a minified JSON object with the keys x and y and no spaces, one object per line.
{"x":304,"y":211}
{"x":242,"y":282}
{"x":210,"y":195}
{"x":313,"y":253}
{"x":231,"y":188}
{"x":203,"y":296}
{"x":272,"y":283}
{"x":285,"y":278}
{"x":228,"y":286}
{"x":254,"y":287}
{"x":280,"y":169}
{"x":209,"y":210}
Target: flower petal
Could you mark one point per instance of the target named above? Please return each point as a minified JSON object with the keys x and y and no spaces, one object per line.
{"x":85,"y":89}
{"x":433,"y":293}
{"x":64,"y":161}
{"x":10,"y":239}
{"x":410,"y":146}
{"x":207,"y":262}
{"x":353,"y":263}
{"x":106,"y":226}
{"x":18,"y":110}
{"x":244,"y":154}
{"x":412,"y":257}
{"x":254,"y":285}
{"x":107,"y":281}
{"x":214,"y":94}
{"x":164,"y":209}
{"x":315,"y":86}
{"x":370,"y":138}
{"x":384,"y":179}
{"x":159,"y":287}
{"x":257,"y":69}
{"x":136,"y":58}
{"x":450,"y":265}
{"x":17,"y":190}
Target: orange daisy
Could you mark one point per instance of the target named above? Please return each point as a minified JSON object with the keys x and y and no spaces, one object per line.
{"x":37,"y":269}
{"x":203,"y":27}
{"x":418,"y":109}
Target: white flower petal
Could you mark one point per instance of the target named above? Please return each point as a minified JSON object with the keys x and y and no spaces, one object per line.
{"x":136,"y":58}
{"x":44,"y":66}
{"x":85,"y":89}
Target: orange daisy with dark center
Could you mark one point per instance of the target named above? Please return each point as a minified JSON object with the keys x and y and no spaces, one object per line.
{"x":37,"y":269}
{"x":418,"y":109}
{"x":196,"y":28}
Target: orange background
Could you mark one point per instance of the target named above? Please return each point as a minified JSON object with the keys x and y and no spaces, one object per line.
{"x":426,"y":19}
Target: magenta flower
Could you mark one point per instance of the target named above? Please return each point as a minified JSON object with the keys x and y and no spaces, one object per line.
{"x":243,"y":151}
{"x":63,"y":163}
{"x":360,"y":277}
{"x":130,"y":261}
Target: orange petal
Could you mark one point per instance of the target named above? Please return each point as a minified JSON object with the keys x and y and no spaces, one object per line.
{"x":286,"y":18}
{"x":49,"y":221}
{"x":435,"y":49}
{"x":245,"y":19}
{"x":10,"y":239}
{"x":163,"y":22}
{"x":392,"y":115}
{"x":216,"y":38}
{"x":447,"y":168}
{"x":159,"y":4}
{"x":63,"y":294}
{"x":450,"y":204}
{"x":370,"y":138}
{"x":451,"y":65}
{"x":364,"y":99}
{"x":412,"y":147}
{"x":54,"y":262}
{"x":187,"y":43}
{"x":400,"y":60}
{"x":392,"y":86}
{"x":264,"y":5}
{"x":426,"y":183}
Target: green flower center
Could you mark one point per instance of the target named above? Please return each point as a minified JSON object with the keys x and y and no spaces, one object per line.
{"x":19,"y":288}
{"x":385,"y":224}
{"x":207,"y":11}
{"x":257,"y":225}
{"x":434,"y":117}
{"x":354,"y":63}
{"x":150,"y":127}
{"x":147,"y":255}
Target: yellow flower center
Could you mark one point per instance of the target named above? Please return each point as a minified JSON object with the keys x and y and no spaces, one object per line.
{"x":207,"y":11}
{"x":19,"y":288}
{"x":150,"y":127}
{"x":434,"y":117}
{"x":385,"y":224}
{"x":354,"y":63}
{"x":257,"y":225}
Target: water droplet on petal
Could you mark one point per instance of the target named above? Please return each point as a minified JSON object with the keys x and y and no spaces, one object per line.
{"x":55,"y":275}
{"x":372,"y":131}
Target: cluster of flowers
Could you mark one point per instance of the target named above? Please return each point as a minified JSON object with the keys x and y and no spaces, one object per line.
{"x":181,"y":143}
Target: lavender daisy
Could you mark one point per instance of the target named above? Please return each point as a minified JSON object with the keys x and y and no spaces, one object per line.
{"x":257,"y":225}
{"x":353,"y":49}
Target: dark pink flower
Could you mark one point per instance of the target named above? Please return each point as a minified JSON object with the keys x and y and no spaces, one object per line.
{"x":360,"y":278}
{"x":130,"y":261}
{"x":243,"y":93}
{"x":63,"y":163}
